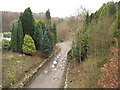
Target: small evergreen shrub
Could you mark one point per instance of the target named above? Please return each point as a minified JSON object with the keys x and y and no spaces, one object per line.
{"x":28,"y":46}
{"x":6,"y":45}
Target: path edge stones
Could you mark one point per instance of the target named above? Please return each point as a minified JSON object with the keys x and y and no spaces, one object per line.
{"x":29,"y":76}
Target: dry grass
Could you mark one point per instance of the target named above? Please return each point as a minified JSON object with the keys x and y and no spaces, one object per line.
{"x":15,"y":66}
{"x":85,"y":74}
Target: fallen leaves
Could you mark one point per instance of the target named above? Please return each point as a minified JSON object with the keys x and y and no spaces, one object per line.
{"x":110,"y":71}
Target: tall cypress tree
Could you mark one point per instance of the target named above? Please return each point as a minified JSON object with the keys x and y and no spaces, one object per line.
{"x":14,"y":38}
{"x":27,"y":22}
{"x":54,"y":31}
{"x":38,"y":34}
{"x":48,"y":19}
{"x":17,"y":37}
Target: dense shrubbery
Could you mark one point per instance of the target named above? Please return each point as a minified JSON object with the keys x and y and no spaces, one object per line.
{"x":44,"y":35}
{"x":6,"y":44}
{"x":28,"y":46}
{"x":96,"y":35}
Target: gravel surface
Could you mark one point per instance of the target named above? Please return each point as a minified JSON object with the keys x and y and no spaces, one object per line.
{"x":50,"y":75}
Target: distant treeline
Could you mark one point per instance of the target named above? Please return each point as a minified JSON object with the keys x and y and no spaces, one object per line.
{"x":9,"y":17}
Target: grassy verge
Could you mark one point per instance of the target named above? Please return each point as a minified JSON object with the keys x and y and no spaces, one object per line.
{"x":19,"y":68}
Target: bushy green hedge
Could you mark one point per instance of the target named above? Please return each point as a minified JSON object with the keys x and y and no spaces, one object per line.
{"x":6,"y":45}
{"x":28,"y":46}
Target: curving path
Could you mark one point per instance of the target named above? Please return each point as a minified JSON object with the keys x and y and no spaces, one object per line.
{"x":50,"y":75}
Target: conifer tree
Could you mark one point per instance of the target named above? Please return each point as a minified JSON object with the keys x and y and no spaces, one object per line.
{"x":51,"y":37}
{"x":27,"y":22}
{"x":48,"y":19}
{"x":14,"y":38}
{"x":46,"y":46}
{"x":17,"y":37}
{"x":28,"y":46}
{"x":38,"y":34}
{"x":55,"y":33}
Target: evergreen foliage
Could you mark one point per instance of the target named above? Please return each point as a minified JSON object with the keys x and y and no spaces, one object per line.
{"x":112,"y":8}
{"x":28,"y":46}
{"x":51,"y":37}
{"x":27,"y":22}
{"x":54,"y":32}
{"x":44,"y":38}
{"x":48,"y":14}
{"x":6,"y":44}
{"x":17,"y":37}
{"x":38,"y":33}
{"x":14,"y":37}
{"x":80,"y":46}
{"x":48,"y":19}
{"x":46,"y":46}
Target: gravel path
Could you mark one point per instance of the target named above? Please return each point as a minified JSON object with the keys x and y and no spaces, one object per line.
{"x":50,"y":75}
